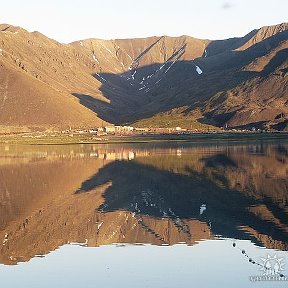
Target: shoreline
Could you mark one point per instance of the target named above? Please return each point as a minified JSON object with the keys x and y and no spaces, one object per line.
{"x":64,"y":139}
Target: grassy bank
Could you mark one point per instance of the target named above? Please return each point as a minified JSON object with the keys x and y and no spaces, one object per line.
{"x":63,"y":139}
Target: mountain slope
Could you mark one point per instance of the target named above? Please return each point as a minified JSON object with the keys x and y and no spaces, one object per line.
{"x":169,"y":80}
{"x":28,"y":102}
{"x":32,"y":96}
{"x":195,"y":87}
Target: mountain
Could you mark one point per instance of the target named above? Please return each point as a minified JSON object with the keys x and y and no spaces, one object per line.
{"x":155,"y":81}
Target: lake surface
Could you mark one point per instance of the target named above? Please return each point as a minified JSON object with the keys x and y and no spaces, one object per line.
{"x":208,"y":214}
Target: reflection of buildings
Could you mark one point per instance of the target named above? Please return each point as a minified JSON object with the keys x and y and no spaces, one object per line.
{"x":124,"y":155}
{"x":116,"y":155}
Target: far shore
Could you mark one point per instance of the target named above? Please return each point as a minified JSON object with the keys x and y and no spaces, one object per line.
{"x":40,"y":138}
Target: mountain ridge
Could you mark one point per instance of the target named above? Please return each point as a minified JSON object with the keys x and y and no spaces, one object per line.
{"x":131,"y":80}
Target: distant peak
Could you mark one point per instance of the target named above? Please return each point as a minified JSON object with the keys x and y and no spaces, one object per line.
{"x":275,"y":28}
{"x":10,"y":28}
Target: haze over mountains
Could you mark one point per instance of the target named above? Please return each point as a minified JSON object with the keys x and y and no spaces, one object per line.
{"x":156,"y":81}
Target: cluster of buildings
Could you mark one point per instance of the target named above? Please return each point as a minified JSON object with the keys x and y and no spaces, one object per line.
{"x":116,"y":129}
{"x":120,"y":130}
{"x":103,"y":130}
{"x":128,"y":130}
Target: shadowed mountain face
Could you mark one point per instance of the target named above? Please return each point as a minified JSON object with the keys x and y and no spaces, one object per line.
{"x":97,"y":195}
{"x":172,"y":81}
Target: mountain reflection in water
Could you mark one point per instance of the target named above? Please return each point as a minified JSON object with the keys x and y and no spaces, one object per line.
{"x":142,"y":193}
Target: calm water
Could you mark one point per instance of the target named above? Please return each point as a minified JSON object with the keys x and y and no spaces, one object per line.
{"x":144,"y":215}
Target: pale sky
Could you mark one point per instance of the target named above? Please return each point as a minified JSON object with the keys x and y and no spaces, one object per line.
{"x":70,"y":20}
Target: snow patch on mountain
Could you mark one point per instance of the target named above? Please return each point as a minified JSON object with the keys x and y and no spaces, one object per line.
{"x":198,"y":70}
